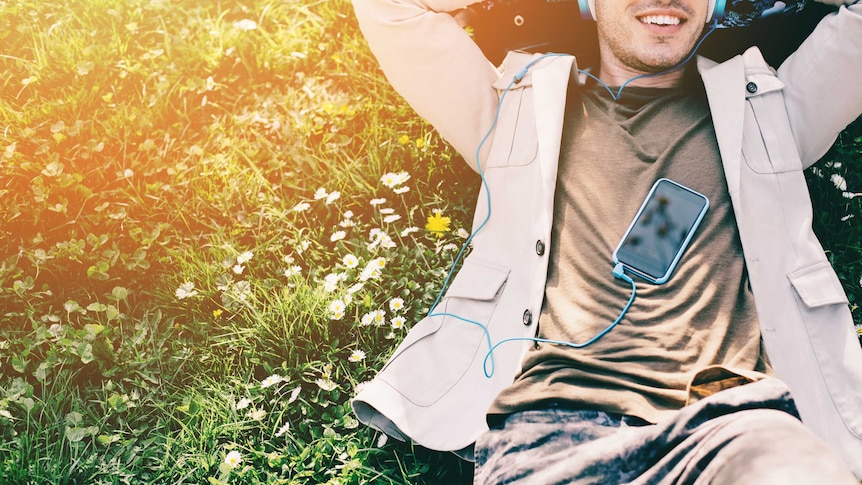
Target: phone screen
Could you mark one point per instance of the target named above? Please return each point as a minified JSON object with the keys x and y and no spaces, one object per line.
{"x":661,"y":230}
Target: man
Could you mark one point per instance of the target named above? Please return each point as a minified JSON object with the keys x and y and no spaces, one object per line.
{"x":706,"y":375}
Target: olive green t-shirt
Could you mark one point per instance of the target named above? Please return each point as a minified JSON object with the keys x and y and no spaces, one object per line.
{"x":612,"y":153}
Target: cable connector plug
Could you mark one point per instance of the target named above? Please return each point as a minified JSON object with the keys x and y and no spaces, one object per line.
{"x":520,"y":74}
{"x":620,"y":273}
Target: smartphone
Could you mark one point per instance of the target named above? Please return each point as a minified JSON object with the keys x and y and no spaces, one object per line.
{"x":661,"y":230}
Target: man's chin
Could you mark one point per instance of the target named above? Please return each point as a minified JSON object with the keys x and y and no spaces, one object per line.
{"x":660,"y":64}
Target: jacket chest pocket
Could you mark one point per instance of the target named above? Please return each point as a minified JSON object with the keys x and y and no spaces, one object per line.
{"x":440,"y":349}
{"x":515,"y":141}
{"x":771,"y":148}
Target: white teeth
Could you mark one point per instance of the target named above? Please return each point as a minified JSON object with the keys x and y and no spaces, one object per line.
{"x":660,"y":20}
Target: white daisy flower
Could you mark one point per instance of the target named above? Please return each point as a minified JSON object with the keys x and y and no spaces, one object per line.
{"x":256,"y":414}
{"x":233,"y":459}
{"x":396,"y":304}
{"x":350,"y":261}
{"x":386,"y":242}
{"x":271,"y":381}
{"x":326,"y":384}
{"x":839,"y":181}
{"x":245,"y":25}
{"x":282,"y":430}
{"x":330,"y":281}
{"x":244,"y":257}
{"x":292,"y":271}
{"x":389,"y":179}
{"x":186,"y":290}
{"x":397,"y":322}
{"x":337,"y":306}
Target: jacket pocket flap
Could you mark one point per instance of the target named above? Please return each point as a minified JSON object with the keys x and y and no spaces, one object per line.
{"x":515,"y":65}
{"x":765,"y":83}
{"x":818,"y":285}
{"x":478,"y":280}
{"x":763,"y":77}
{"x":508,"y":81}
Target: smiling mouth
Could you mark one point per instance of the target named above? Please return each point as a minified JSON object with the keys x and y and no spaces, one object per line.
{"x":660,"y":20}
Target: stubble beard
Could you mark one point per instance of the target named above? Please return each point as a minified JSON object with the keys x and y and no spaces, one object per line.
{"x":646,"y":59}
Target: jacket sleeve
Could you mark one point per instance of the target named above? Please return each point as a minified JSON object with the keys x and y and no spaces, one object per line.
{"x":434,"y":64}
{"x":822,"y":80}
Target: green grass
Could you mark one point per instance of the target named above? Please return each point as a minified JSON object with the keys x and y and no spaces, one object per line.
{"x":162,"y":251}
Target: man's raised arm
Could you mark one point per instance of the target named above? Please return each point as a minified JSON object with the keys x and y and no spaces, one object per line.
{"x":822,"y":82}
{"x":435,"y":65}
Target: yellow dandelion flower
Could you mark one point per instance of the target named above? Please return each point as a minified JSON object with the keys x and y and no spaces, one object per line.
{"x":438,"y":224}
{"x":403,"y":139}
{"x":420,"y":143}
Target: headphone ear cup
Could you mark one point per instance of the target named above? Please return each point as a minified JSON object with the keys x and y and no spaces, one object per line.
{"x":588,"y":9}
{"x":715,"y":10}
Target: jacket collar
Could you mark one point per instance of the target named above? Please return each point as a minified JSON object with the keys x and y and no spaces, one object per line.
{"x":549,"y":81}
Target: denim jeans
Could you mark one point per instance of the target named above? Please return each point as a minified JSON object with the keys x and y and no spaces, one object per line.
{"x":749,"y":434}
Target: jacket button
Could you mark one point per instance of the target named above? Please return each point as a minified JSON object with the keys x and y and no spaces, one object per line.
{"x":528,"y":317}
{"x":540,"y":247}
{"x":751,"y":87}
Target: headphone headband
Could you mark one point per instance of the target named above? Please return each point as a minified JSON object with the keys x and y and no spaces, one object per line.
{"x":588,"y":9}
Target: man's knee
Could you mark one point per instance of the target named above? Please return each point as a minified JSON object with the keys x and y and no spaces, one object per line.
{"x":758,"y":432}
{"x":770,"y":446}
{"x":763,"y":423}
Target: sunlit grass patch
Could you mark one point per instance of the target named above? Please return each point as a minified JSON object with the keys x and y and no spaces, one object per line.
{"x":213,"y":231}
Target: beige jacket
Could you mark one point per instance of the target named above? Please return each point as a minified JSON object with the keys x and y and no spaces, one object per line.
{"x":770,"y":126}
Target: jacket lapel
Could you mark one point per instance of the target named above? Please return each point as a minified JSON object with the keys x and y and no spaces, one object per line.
{"x":725,"y":89}
{"x":550,"y":83}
